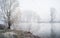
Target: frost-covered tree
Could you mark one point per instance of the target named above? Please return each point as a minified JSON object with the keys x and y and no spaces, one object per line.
{"x":6,"y":8}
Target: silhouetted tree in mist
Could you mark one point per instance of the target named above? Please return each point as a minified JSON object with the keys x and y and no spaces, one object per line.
{"x":52,"y":22}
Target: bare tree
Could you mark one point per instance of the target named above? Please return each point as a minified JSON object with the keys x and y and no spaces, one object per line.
{"x":7,"y":7}
{"x":52,"y":21}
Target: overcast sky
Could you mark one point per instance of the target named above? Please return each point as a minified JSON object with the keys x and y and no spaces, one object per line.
{"x":41,"y":7}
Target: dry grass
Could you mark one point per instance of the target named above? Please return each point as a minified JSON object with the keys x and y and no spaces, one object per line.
{"x":19,"y":34}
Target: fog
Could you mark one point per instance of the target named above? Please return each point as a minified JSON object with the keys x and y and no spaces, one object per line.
{"x":36,"y":17}
{"x":41,"y":7}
